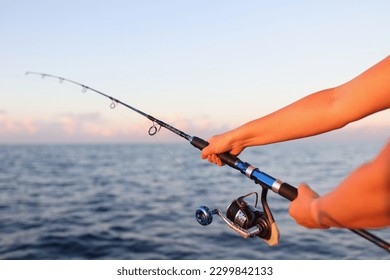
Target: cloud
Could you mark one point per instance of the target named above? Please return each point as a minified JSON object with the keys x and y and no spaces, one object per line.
{"x":93,"y":127}
{"x":60,"y":128}
{"x":12,"y":126}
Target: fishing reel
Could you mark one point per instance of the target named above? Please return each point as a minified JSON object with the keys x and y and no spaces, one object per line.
{"x":245,"y":219}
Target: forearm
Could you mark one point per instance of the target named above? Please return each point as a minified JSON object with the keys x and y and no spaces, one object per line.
{"x":308,"y":116}
{"x":362,"y":200}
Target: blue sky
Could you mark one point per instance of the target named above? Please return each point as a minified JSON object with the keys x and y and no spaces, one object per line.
{"x":204,"y":66}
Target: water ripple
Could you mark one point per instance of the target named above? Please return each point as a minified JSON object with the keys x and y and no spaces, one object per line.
{"x":138,"y":202}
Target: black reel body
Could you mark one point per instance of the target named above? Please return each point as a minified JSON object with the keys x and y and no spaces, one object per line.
{"x":247,"y":216}
{"x":245,"y":219}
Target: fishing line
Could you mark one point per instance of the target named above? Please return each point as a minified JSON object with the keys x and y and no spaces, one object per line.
{"x":153,"y":131}
{"x":188,"y":175}
{"x":183,"y":170}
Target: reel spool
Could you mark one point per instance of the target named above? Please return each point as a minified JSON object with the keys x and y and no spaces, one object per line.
{"x":245,"y":219}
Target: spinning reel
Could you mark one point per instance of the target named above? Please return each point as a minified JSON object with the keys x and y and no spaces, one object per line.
{"x":245,"y":219}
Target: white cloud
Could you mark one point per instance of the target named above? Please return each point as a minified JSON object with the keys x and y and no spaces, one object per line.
{"x":88,"y":127}
{"x":93,"y":127}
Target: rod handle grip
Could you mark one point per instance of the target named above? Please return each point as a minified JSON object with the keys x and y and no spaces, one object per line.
{"x":226,"y":158}
{"x":288,"y":191}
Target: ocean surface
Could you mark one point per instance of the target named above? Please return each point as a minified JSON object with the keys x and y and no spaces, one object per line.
{"x":138,"y":201}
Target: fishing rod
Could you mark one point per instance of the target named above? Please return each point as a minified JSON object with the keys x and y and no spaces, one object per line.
{"x":247,"y":220}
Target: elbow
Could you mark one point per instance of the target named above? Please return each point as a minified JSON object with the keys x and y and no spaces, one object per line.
{"x":343,"y":107}
{"x":338,"y":108}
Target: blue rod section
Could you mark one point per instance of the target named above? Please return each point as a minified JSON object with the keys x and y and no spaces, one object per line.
{"x":256,"y":174}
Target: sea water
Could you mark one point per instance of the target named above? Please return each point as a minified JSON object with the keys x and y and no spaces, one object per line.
{"x":138,"y":201}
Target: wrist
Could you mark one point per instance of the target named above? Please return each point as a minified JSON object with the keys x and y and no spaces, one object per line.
{"x":245,"y":136}
{"x":316,"y":213}
{"x":236,"y":138}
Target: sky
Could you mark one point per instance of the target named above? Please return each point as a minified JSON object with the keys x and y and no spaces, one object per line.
{"x":202,"y":66}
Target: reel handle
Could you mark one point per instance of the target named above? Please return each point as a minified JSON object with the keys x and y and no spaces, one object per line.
{"x":204,"y":215}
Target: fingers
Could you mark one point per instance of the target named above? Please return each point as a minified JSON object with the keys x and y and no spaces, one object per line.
{"x":215,"y":159}
{"x":206,"y":152}
{"x":211,"y":157}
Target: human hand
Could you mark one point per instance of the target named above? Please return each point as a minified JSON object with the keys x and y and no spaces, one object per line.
{"x":220,"y":144}
{"x":304,"y":209}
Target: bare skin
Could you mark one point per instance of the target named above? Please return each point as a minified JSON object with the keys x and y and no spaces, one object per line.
{"x":362,"y":200}
{"x":318,"y":113}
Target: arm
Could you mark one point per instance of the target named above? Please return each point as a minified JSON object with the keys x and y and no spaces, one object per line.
{"x":314,"y":114}
{"x":362,"y":200}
